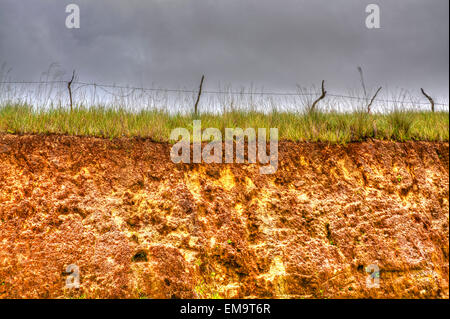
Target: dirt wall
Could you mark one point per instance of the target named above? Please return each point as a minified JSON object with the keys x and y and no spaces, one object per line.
{"x":139,"y":226}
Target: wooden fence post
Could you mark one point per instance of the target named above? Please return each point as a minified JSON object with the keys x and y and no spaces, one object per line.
{"x":313,"y":107}
{"x":429,"y":99}
{"x":373,"y":98}
{"x":198,"y":97}
{"x":69,"y":84}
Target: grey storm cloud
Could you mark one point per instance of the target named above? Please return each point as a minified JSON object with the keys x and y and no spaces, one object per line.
{"x":275,"y":44}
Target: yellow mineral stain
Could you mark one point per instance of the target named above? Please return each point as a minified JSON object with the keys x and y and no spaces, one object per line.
{"x":277,"y":268}
{"x":212,"y":242}
{"x":226,"y":179}
{"x":276,"y":274}
{"x":189,"y":255}
{"x":249,"y":183}
{"x":239,"y":209}
{"x":345,"y":172}
{"x":303,"y":161}
{"x":192,"y":181}
{"x":117,"y":219}
{"x":333,"y":171}
{"x":303,"y":197}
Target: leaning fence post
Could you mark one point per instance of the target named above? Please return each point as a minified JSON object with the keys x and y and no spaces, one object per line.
{"x":429,"y":99}
{"x":198,"y":97}
{"x":373,"y":99}
{"x":313,"y":107}
{"x":69,"y":84}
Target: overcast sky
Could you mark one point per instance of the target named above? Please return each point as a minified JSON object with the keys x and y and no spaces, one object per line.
{"x":272,"y":43}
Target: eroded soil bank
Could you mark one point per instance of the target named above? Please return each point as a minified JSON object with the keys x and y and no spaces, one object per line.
{"x":138,"y":225}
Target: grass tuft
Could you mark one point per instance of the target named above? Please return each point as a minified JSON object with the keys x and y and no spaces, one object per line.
{"x":331,"y":127}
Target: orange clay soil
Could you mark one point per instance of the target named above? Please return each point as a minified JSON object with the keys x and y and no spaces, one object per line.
{"x":138,"y":225}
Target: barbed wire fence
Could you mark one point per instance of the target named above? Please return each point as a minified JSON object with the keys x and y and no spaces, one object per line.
{"x":60,"y":93}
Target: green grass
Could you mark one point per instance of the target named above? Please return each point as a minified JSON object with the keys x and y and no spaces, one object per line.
{"x":317,"y":126}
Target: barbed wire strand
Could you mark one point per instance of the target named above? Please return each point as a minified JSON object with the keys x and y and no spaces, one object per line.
{"x":261,"y":93}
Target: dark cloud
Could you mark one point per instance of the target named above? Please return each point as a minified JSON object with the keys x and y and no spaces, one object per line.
{"x":275,"y":44}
